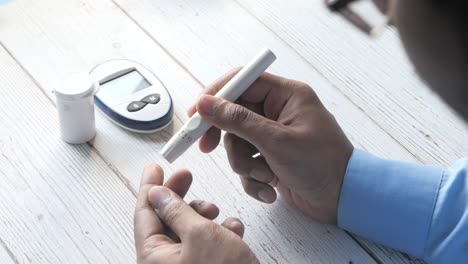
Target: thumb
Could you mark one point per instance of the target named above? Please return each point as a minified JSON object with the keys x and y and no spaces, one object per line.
{"x":173,"y":211}
{"x":237,"y":120}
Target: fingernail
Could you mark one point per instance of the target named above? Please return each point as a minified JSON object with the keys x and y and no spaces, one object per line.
{"x":199,"y":205}
{"x":159,"y":196}
{"x":235,"y":225}
{"x":150,"y":174}
{"x":266,"y":196}
{"x":207,"y":105}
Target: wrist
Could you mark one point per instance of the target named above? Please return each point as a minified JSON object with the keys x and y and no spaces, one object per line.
{"x":322,"y":199}
{"x":339,"y":179}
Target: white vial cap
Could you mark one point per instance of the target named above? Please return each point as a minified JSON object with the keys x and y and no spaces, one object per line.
{"x":74,"y":85}
{"x":75,"y":105}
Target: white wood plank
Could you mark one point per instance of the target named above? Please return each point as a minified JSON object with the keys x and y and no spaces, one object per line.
{"x":374,"y":74}
{"x":5,"y":256}
{"x":276,"y":233}
{"x":386,"y":255}
{"x":59,"y":203}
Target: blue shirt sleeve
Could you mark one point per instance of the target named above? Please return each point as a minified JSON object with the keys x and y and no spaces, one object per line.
{"x":417,"y":209}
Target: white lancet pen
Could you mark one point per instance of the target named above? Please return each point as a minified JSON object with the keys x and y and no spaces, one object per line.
{"x":196,"y":126}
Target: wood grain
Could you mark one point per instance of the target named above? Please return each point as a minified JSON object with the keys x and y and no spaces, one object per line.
{"x":386,"y":255}
{"x":6,"y":256}
{"x":373,"y":74}
{"x":60,"y":203}
{"x":90,"y":32}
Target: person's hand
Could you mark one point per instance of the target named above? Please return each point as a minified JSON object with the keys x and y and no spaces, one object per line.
{"x":180,"y":232}
{"x":304,"y":152}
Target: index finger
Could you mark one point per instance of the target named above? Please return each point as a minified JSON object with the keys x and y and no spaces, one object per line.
{"x":256,"y":93}
{"x":213,"y":88}
{"x":146,"y":221}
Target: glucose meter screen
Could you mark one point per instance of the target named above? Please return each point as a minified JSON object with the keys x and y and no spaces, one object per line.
{"x":117,"y":89}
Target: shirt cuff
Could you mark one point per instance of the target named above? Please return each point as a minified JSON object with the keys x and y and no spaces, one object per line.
{"x":389,"y":202}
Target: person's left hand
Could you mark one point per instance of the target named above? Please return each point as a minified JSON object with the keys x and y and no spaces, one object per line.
{"x":180,"y":232}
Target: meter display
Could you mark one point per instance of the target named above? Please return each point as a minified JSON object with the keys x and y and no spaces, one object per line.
{"x":122,"y":86}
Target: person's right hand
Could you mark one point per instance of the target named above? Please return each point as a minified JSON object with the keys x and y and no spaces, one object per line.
{"x":304,"y":152}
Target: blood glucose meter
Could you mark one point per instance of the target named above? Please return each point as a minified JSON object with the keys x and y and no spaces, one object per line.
{"x":131,"y":96}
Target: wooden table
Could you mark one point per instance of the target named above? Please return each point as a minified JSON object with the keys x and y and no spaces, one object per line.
{"x":74,"y":204}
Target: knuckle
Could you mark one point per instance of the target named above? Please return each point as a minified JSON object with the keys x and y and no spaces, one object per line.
{"x":280,"y":134}
{"x":204,"y":230}
{"x":145,"y":252}
{"x":305,"y":90}
{"x":172,"y":213}
{"x":304,"y":87}
{"x":300,"y":86}
{"x":249,"y":188}
{"x":237,"y":113}
{"x":237,"y":165}
{"x":140,"y":209}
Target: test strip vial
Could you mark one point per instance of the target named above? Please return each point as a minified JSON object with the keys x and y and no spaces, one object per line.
{"x":74,"y":94}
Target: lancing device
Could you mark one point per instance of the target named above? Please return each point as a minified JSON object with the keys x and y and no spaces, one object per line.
{"x":196,"y":126}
